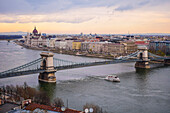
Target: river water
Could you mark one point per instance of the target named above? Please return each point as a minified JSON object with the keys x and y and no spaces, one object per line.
{"x":140,"y":91}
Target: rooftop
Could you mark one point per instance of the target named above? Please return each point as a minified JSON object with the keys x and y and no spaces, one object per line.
{"x":34,"y":106}
{"x":7,"y":107}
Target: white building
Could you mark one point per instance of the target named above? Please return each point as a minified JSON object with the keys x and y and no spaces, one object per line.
{"x":39,"y":41}
{"x":95,"y":47}
{"x":60,"y":44}
{"x":69,"y":44}
{"x":35,"y":39}
{"x":52,"y":43}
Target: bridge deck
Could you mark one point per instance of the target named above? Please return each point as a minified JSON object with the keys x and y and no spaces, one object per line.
{"x":94,"y":64}
{"x":34,"y":66}
{"x":78,"y":65}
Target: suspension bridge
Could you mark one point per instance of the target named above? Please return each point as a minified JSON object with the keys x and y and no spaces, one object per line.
{"x":47,"y":65}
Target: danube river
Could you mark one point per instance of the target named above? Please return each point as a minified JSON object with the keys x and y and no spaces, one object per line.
{"x":140,"y":91}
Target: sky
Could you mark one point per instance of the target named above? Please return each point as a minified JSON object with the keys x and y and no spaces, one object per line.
{"x":86,"y":16}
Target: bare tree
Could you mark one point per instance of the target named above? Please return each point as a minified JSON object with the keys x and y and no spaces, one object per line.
{"x":42,"y":98}
{"x":7,"y":89}
{"x":26,"y":92}
{"x":31,"y":92}
{"x":58,"y":102}
{"x":96,"y":108}
{"x":0,"y":91}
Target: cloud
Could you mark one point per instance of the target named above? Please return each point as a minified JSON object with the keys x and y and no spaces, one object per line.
{"x":53,"y":6}
{"x":47,"y":6}
{"x":144,"y":2}
{"x":66,"y":18}
{"x":68,"y":11}
{"x":125,"y":8}
{"x":131,"y":5}
{"x":15,"y":7}
{"x":79,"y":15}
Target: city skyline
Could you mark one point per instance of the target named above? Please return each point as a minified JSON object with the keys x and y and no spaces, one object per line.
{"x":94,"y":16}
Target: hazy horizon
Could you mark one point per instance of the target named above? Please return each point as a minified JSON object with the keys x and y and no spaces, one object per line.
{"x":24,"y":33}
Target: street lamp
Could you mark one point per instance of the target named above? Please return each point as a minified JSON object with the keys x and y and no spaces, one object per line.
{"x":90,"y":110}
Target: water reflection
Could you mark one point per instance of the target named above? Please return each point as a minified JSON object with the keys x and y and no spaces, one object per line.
{"x":142,"y":72}
{"x":141,"y":81}
{"x":49,"y":88}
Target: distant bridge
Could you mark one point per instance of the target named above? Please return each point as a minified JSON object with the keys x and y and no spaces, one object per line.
{"x":47,"y":65}
{"x":10,"y":37}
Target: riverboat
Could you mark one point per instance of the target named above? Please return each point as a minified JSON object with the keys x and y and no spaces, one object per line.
{"x":112,"y":78}
{"x":78,"y":54}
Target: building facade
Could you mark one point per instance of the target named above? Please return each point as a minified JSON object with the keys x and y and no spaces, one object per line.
{"x":130,"y":47}
{"x":96,"y":47}
{"x":163,"y":46}
{"x":114,"y":49}
{"x":60,"y":44}
{"x":35,"y":39}
{"x":69,"y":44}
{"x":76,"y":45}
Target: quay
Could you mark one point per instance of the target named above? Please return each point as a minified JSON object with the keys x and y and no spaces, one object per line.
{"x":102,"y":56}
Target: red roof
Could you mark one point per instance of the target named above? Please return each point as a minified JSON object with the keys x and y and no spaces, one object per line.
{"x":33,"y":106}
{"x":141,"y":43}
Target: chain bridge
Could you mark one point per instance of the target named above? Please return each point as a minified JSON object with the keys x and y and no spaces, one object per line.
{"x":47,"y":65}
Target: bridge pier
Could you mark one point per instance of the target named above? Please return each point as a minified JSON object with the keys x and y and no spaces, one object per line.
{"x":47,"y":64}
{"x":143,"y":56}
{"x":142,"y":64}
{"x":166,"y":61}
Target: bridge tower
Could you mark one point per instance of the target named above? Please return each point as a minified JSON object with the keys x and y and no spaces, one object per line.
{"x":47,"y":64}
{"x":143,"y":56}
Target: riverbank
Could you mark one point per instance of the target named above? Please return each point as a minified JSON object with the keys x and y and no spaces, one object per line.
{"x":67,"y":52}
{"x":147,"y":90}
